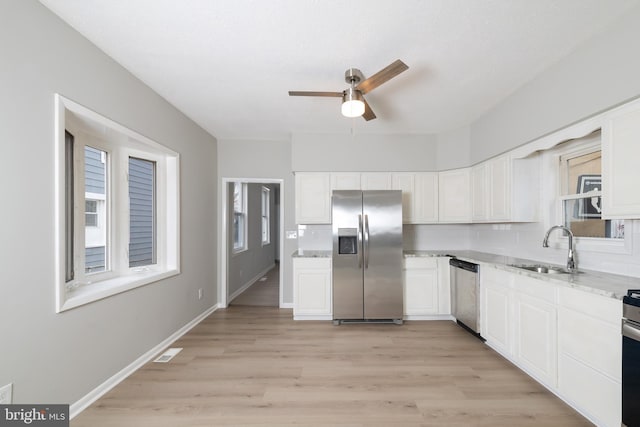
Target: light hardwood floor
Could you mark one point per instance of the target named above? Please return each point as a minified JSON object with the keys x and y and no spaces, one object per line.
{"x":264,"y":292}
{"x":255,"y":366}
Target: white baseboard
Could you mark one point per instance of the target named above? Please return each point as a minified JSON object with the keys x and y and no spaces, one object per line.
{"x":84,"y":402}
{"x":250,"y":282}
{"x":313,"y":317}
{"x":286,"y":305}
{"x":429,"y":317}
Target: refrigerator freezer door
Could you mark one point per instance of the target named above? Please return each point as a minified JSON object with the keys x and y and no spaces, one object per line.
{"x":348,"y":300}
{"x":382,"y":211}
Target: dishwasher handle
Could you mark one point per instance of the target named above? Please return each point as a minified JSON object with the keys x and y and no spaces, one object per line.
{"x":465,"y":265}
{"x":630,"y":330}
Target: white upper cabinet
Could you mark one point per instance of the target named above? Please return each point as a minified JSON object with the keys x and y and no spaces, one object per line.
{"x":505,"y":189}
{"x":620,"y":171}
{"x":375,"y":181}
{"x":500,"y":180}
{"x":345,"y":181}
{"x":313,"y":198}
{"x":454,"y":195}
{"x":425,"y":200}
{"x":479,"y":193}
{"x":407,"y":183}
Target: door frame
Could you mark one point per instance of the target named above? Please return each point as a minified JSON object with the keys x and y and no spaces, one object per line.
{"x":223,"y":291}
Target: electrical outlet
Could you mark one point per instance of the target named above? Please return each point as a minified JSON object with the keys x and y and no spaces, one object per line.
{"x":200,"y":293}
{"x":6,"y":394}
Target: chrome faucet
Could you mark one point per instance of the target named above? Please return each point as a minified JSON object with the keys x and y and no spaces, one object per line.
{"x":571,"y":262}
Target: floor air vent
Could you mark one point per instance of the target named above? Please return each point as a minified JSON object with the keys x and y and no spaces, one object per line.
{"x":168,"y":355}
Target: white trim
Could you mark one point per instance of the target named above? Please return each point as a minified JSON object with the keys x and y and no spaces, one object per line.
{"x":119,"y":277}
{"x":250,"y":282}
{"x":430,"y":317}
{"x":91,"y":292}
{"x":84,"y":402}
{"x":223,"y":289}
{"x":555,"y":172}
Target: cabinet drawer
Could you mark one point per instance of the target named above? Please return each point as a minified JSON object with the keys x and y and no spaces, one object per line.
{"x":536,"y":288}
{"x":596,"y":394}
{"x":421,"y":262}
{"x":494,"y":276}
{"x":598,"y":306}
{"x":310,"y":263}
{"x":596,"y":343}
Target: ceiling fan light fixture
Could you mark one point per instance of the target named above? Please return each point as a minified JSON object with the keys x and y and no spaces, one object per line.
{"x":352,"y":104}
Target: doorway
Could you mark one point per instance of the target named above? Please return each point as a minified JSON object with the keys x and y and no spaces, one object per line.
{"x":252,"y":230}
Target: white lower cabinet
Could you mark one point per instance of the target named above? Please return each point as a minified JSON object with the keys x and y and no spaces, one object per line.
{"x":567,"y":339}
{"x":590,"y":355}
{"x":426,"y":288}
{"x":312,"y":289}
{"x":495,"y":310}
{"x":425,"y":283}
{"x":535,"y":325}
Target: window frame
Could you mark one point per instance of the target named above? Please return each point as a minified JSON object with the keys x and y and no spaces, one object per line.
{"x":92,"y":214}
{"x":120,"y":143}
{"x":570,"y":149}
{"x":265,"y":207}
{"x":242,"y":215}
{"x":154,"y":219}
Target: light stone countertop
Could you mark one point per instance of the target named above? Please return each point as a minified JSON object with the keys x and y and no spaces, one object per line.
{"x":605,"y":284}
{"x":311,"y":254}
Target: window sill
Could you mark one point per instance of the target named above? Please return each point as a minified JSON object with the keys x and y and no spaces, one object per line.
{"x":86,"y":294}
{"x":239,"y":251}
{"x":597,"y":245}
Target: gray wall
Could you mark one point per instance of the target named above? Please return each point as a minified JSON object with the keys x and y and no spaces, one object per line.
{"x":59,"y":358}
{"x":600,"y":74}
{"x":258,"y":159}
{"x":246,"y":265}
{"x":336,"y":152}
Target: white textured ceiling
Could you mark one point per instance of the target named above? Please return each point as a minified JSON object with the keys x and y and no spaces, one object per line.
{"x":228,"y":64}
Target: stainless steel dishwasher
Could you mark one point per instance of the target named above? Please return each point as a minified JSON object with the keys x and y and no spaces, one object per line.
{"x":465,"y":295}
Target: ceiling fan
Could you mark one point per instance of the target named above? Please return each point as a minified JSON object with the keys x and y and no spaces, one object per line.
{"x":353,"y":102}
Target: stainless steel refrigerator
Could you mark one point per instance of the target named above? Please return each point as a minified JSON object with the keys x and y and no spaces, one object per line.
{"x":367,"y":255}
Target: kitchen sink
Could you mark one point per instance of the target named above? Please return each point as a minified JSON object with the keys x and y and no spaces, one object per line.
{"x":544,"y":269}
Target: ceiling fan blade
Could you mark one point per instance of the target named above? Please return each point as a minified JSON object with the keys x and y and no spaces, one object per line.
{"x":368,"y":112}
{"x":303,"y":93}
{"x":382,"y":76}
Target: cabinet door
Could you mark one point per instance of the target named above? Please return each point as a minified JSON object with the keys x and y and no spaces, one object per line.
{"x":620,"y":172}
{"x":345,"y":181}
{"x":313,"y":198}
{"x":590,"y":354}
{"x":535,"y":346}
{"x":479,"y":193}
{"x":495,"y":318}
{"x":425,"y":200}
{"x":312,"y":287}
{"x":500,"y":188}
{"x":444,"y":286}
{"x":375,"y":181}
{"x":454,"y":195}
{"x":420,"y":291}
{"x":496,"y":308}
{"x":406,"y":183}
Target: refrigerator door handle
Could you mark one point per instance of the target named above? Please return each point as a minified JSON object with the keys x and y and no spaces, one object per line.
{"x":366,"y":241}
{"x":360,"y":245}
